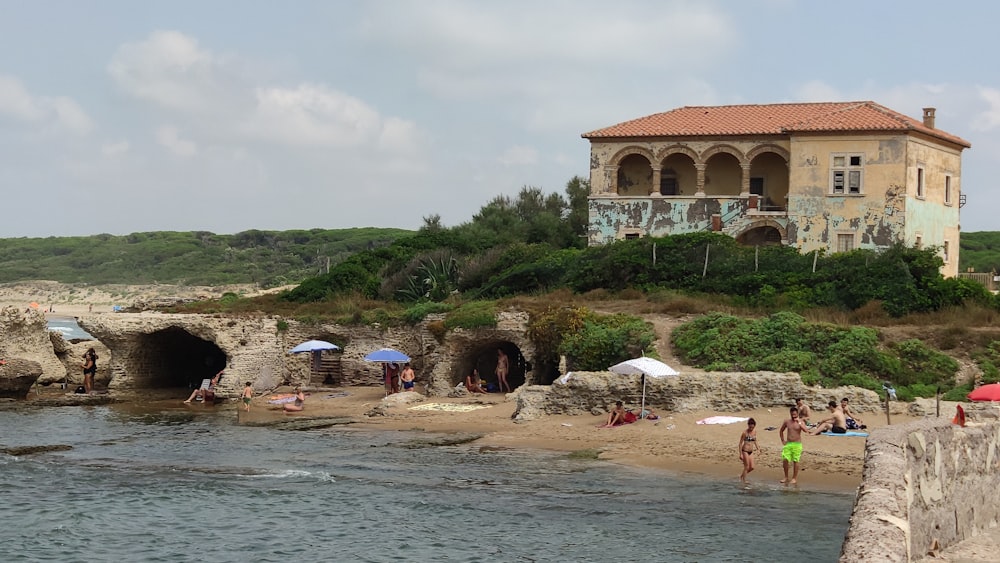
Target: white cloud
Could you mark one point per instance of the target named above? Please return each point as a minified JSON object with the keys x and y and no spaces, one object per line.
{"x":990,"y":118}
{"x":17,"y":102}
{"x":320,"y":116}
{"x":169,"y":137}
{"x":545,"y":63}
{"x":172,"y":71}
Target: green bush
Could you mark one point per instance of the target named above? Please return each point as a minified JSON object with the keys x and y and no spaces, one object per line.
{"x":822,"y":353}
{"x":416,"y":313}
{"x":607,"y":340}
{"x":474,"y":314}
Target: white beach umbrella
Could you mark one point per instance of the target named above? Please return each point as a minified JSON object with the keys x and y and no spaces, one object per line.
{"x":646,"y":367}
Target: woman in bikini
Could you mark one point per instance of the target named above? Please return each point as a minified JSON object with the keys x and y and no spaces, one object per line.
{"x":299,"y":403}
{"x":89,"y":370}
{"x":748,"y":447}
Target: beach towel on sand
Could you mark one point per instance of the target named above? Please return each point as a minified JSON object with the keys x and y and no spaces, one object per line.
{"x":281,"y":398}
{"x":723,"y":420}
{"x":848,"y":433}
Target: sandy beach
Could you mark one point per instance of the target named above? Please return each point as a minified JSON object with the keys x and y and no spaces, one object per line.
{"x":675,"y":442}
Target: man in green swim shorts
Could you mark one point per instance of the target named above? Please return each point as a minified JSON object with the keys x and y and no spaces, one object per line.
{"x":792,"y":450}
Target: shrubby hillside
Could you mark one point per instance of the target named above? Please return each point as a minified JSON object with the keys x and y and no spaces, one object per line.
{"x":265,"y":258}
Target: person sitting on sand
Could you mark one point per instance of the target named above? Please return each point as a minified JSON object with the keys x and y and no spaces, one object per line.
{"x":473,"y":384}
{"x":805,"y":413}
{"x":836,"y":423}
{"x":299,"y":403}
{"x":853,"y":421}
{"x":206,"y":394}
{"x":617,"y":415}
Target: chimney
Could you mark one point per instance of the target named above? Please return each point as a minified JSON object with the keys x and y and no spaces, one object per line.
{"x":929,"y":118}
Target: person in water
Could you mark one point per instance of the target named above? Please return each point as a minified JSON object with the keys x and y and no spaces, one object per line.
{"x":791,"y":450}
{"x":748,"y":447}
{"x":299,"y":404}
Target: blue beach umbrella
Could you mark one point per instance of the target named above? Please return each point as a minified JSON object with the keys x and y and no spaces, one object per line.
{"x":314,"y":346}
{"x":386,"y":355}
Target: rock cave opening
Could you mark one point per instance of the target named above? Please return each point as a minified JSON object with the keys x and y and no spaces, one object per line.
{"x":483,"y":356}
{"x":173,"y":357}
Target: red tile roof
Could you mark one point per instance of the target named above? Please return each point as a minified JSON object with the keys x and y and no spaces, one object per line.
{"x":771,"y":119}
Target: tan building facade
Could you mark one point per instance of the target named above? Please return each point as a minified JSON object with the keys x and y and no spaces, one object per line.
{"x":833,"y":176}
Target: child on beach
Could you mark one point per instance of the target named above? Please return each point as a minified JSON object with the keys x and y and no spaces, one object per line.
{"x":247,"y":396}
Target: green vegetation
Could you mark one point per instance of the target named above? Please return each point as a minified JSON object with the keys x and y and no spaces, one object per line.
{"x":267,"y":258}
{"x":530,"y":252}
{"x":823,"y":354}
{"x":980,"y":251}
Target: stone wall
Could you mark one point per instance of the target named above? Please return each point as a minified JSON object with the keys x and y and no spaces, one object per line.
{"x":926,"y":485}
{"x":596,"y":392}
{"x":171,"y":350}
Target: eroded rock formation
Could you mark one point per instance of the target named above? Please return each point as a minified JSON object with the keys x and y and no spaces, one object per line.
{"x":25,"y":335}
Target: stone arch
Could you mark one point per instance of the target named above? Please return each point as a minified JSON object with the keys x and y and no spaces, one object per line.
{"x":724,"y":148}
{"x":629,"y":151}
{"x":663,"y":153}
{"x":171,"y":358}
{"x":763,"y":232}
{"x":482,"y":355}
{"x":761,"y":149}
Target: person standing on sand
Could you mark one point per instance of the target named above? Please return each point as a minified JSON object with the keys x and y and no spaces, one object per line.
{"x":503,"y":367}
{"x":747,"y":447}
{"x":391,"y":383}
{"x":247,"y":396}
{"x":89,"y":370}
{"x":791,"y":451}
{"x":407,"y":377}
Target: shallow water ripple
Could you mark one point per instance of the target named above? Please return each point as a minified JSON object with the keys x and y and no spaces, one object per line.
{"x":167,"y":486}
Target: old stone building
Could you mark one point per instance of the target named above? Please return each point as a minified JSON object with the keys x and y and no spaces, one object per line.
{"x":833,"y":176}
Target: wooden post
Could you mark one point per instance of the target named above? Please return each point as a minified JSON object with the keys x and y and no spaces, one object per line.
{"x":937,"y":401}
{"x":815,"y":257}
{"x":756,"y":255}
{"x":654,"y":253}
{"x":704,"y":270}
{"x":887,"y":421}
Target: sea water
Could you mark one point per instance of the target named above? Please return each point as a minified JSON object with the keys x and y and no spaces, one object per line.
{"x":68,"y":327}
{"x":172,"y":484}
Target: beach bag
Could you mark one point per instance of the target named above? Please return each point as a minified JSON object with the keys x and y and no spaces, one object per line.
{"x":80,"y":390}
{"x":629,"y":417}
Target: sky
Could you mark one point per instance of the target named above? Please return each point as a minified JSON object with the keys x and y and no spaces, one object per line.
{"x":223,"y":116}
